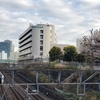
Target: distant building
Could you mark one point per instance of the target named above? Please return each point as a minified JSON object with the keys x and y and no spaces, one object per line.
{"x":11,"y":45}
{"x":35,"y":42}
{"x":13,"y":56}
{"x":7,"y":47}
{"x":7,"y":50}
{"x":78,"y":45}
{"x":3,"y":55}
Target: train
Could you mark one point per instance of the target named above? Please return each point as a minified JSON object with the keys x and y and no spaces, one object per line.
{"x":1,"y":78}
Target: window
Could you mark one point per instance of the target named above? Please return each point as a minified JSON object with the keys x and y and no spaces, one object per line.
{"x":41,"y":53}
{"x":41,"y":31}
{"x":41,"y":42}
{"x":41,"y":36}
{"x":41,"y":48}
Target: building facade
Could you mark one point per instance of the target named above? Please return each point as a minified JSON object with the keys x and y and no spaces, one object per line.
{"x":35,"y":42}
{"x":3,"y":55}
{"x":7,"y":47}
{"x":7,"y":51}
{"x":13,"y":56}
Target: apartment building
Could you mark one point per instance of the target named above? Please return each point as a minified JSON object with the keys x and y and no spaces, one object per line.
{"x":35,"y":42}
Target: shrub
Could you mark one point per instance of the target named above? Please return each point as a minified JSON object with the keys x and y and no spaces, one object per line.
{"x":59,"y":66}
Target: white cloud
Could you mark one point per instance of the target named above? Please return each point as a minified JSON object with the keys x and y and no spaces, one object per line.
{"x":73,"y":18}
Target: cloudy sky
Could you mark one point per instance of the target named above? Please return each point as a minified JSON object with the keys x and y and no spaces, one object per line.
{"x":73,"y":18}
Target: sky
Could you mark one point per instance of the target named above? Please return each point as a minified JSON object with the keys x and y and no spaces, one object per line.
{"x":73,"y":18}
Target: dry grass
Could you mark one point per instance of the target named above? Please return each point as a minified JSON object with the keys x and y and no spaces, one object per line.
{"x":59,"y":66}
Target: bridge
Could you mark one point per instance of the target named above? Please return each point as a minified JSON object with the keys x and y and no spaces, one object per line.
{"x":81,"y":81}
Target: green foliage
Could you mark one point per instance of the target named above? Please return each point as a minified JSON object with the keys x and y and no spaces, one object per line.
{"x":92,"y":95}
{"x":69,"y":53}
{"x":67,"y":95}
{"x":69,"y":48}
{"x":71,"y":67}
{"x":52,"y":64}
{"x":55,"y":53}
{"x":43,"y":78}
{"x":80,"y":57}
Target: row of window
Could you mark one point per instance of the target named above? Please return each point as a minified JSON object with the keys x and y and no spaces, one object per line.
{"x":41,"y":42}
{"x":25,"y":34}
{"x":26,"y":50}
{"x":27,"y":55}
{"x":25,"y":44}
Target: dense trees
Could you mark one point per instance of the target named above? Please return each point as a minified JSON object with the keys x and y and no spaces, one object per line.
{"x":80,"y":57}
{"x":55,"y":53}
{"x":69,"y":53}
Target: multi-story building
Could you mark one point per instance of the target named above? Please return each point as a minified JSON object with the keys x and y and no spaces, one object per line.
{"x":7,"y":50}
{"x":35,"y":42}
{"x":13,"y":56}
{"x":3,"y":55}
{"x":7,"y":47}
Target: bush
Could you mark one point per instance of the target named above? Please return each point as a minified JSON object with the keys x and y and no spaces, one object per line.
{"x":52,"y":64}
{"x":43,"y":78}
{"x":71,"y":67}
{"x":59,"y":66}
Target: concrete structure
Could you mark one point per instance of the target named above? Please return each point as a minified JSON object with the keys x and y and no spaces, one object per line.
{"x":7,"y":46}
{"x":13,"y":56}
{"x":78,"y":45}
{"x":35,"y":42}
{"x":3,"y":55}
{"x":11,"y":45}
{"x":7,"y":51}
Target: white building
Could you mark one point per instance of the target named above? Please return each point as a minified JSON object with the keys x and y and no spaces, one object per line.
{"x":3,"y":55}
{"x":13,"y":56}
{"x":78,"y":45}
{"x":35,"y":41}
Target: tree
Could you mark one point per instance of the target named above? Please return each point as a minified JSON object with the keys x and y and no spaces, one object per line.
{"x":55,"y":53}
{"x":80,"y":57}
{"x":90,"y":45}
{"x":69,"y":53}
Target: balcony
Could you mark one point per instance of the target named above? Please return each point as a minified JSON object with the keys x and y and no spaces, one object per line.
{"x":25,"y":52}
{"x":25,"y":32}
{"x":25,"y":42}
{"x":25,"y":58}
{"x":26,"y":46}
{"x":28,"y":35}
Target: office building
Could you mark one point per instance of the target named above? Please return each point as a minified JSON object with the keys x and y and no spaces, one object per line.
{"x":7,"y":49}
{"x":35,"y":42}
{"x":3,"y":55}
{"x":13,"y":56}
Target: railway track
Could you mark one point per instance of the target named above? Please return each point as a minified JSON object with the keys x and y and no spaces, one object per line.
{"x":17,"y":92}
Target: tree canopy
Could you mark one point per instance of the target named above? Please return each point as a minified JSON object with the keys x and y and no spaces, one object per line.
{"x":80,"y":57}
{"x":69,"y":53}
{"x":55,"y":53}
